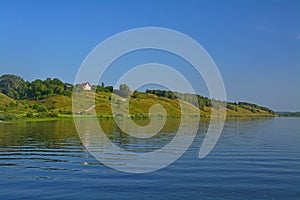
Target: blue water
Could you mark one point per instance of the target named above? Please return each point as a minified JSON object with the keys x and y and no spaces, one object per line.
{"x":254,"y":159}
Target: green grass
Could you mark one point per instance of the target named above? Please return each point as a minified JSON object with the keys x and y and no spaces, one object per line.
{"x":5,"y":100}
{"x":61,"y":106}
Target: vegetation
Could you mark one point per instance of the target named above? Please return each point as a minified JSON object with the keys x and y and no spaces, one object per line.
{"x":288,"y":114}
{"x":15,"y":87}
{"x":53,"y":98}
{"x":123,"y":91}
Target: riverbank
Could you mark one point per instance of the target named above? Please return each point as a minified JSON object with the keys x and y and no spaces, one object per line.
{"x":60,"y":106}
{"x":110,"y":117}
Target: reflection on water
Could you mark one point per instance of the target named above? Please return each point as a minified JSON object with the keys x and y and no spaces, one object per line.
{"x":138,"y":155}
{"x":254,"y":158}
{"x":49,"y":134}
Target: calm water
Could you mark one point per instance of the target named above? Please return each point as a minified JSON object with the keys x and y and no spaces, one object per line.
{"x":254,"y":159}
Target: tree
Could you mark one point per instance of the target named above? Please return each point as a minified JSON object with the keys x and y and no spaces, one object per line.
{"x":201,"y":105}
{"x":109,"y":89}
{"x":10,"y":85}
{"x":124,"y":91}
{"x":171,"y":95}
{"x":135,"y":94}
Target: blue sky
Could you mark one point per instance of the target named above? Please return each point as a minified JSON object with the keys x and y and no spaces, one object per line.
{"x":255,"y":44}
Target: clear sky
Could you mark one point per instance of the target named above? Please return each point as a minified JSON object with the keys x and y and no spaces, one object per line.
{"x":255,"y":44}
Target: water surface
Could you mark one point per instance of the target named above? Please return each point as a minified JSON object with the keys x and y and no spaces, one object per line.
{"x":254,"y":159}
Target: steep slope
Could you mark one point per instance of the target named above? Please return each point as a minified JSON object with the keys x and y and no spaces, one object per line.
{"x":5,"y":100}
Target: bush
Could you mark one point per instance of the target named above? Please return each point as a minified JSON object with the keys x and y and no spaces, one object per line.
{"x":135,"y":94}
{"x":52,"y":114}
{"x":35,"y":106}
{"x":7,"y":116}
{"x":46,"y":115}
{"x":12,"y":105}
{"x":66,"y":112}
{"x":42,"y":109}
{"x":30,"y":115}
{"x":230,"y":107}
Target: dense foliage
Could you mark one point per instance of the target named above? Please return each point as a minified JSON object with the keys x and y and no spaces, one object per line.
{"x":16,"y":88}
{"x":201,"y":102}
{"x":123,"y":91}
{"x":253,"y":107}
{"x":197,"y":100}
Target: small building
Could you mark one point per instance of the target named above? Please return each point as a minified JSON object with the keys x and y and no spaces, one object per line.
{"x":86,"y":86}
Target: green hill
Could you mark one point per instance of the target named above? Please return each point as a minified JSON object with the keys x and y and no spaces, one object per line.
{"x":53,"y":98}
{"x":5,"y":101}
{"x":60,"y":105}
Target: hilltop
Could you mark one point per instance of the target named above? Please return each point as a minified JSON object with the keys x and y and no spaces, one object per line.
{"x":53,"y":98}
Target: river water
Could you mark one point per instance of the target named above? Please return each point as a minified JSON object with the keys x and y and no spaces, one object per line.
{"x":253,"y":159}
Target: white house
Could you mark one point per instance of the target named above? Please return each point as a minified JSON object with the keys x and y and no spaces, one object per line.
{"x":86,"y":86}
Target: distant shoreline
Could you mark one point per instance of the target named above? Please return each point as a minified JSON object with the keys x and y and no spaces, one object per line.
{"x":71,"y":117}
{"x":52,"y":98}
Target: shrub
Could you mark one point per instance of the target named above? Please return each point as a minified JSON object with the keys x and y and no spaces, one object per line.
{"x":7,"y":116}
{"x":230,"y":107}
{"x":30,"y":115}
{"x":42,"y":109}
{"x":67,"y":112}
{"x":53,"y":114}
{"x":46,"y":115}
{"x":35,"y":106}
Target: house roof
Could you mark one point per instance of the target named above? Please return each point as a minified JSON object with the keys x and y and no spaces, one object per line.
{"x":85,"y":84}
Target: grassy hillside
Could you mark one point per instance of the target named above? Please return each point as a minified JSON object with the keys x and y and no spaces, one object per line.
{"x":60,"y":105}
{"x":53,"y":98}
{"x":5,"y":101}
{"x":6,"y":104}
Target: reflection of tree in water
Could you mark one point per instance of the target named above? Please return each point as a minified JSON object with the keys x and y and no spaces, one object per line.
{"x":62,"y":133}
{"x":130,"y":143}
{"x":49,"y":134}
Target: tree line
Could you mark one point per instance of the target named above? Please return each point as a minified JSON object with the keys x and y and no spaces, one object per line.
{"x":196,"y":100}
{"x":17,"y":88}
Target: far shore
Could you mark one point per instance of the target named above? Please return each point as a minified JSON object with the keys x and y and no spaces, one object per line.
{"x":110,"y":117}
